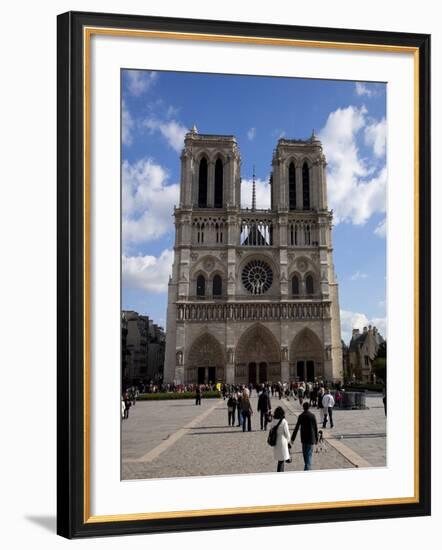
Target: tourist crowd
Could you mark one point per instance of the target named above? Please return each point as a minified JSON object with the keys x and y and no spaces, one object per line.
{"x":240,"y":411}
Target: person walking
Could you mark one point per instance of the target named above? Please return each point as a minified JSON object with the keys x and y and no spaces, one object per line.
{"x":319,"y":397}
{"x":281,"y":452}
{"x":231,"y":408}
{"x":301,"y":392}
{"x":328,"y":403}
{"x":264,"y":407}
{"x":127,"y":404}
{"x":246,"y":410}
{"x":309,"y":434}
{"x":198,"y":395}
{"x":238,"y":408}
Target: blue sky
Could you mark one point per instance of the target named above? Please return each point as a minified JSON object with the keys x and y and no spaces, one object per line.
{"x":349,"y":117}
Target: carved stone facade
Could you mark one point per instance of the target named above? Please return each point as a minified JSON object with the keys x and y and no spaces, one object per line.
{"x":253,"y":295}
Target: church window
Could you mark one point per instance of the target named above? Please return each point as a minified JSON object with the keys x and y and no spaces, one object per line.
{"x":201,"y":286}
{"x":367,"y":363}
{"x":257,"y":277}
{"x":295,"y":285}
{"x":307,"y":234}
{"x":202,"y":184}
{"x":292,"y":187}
{"x":309,"y":286}
{"x":217,"y":286}
{"x":218,"y":203}
{"x":305,"y":187}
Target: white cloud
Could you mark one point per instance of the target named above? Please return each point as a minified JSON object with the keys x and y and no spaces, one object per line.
{"x":355,"y":194}
{"x":172,"y":131}
{"x":358,"y":275}
{"x":363,"y":89}
{"x":148,"y":201}
{"x":139,"y":82}
{"x":352,"y":319}
{"x":149,"y":273}
{"x":381,"y":228}
{"x":262,"y":193}
{"x":127,"y":125}
{"x":171,"y":111}
{"x":251,"y":134}
{"x":369,"y":89}
{"x":376,"y":137}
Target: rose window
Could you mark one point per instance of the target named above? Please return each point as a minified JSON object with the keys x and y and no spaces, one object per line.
{"x":257,"y":277}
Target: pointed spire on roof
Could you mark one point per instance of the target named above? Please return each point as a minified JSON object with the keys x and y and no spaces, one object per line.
{"x":314,"y":137}
{"x":194,"y":129}
{"x":253,"y":190}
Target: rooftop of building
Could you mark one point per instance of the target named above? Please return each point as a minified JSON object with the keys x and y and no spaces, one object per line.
{"x":358,"y":338}
{"x":283,"y":141}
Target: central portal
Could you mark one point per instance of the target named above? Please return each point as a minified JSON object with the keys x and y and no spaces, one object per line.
{"x":258,"y":356}
{"x":257,"y":373}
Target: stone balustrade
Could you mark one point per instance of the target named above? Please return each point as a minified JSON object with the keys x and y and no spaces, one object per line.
{"x":238,"y":311}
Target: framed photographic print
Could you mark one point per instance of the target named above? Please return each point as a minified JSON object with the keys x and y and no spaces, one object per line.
{"x":243,"y":274}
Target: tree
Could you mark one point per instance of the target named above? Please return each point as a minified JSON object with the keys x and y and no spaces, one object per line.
{"x":380,"y":363}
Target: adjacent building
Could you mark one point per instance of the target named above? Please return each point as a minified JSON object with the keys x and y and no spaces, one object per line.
{"x":253,"y":295}
{"x":362,"y":351}
{"x":143,"y":348}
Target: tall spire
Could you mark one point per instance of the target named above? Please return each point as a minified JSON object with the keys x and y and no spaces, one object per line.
{"x":253,"y":190}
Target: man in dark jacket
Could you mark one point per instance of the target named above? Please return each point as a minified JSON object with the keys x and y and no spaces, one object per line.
{"x":264,"y":408}
{"x":309,"y":434}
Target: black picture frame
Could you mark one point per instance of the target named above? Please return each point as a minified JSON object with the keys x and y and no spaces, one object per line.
{"x":72,"y":394}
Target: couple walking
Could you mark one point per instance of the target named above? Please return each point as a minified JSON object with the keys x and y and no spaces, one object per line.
{"x":240,"y":403}
{"x":309,"y":436}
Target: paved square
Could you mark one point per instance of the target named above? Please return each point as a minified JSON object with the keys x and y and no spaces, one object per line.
{"x":165,"y":439}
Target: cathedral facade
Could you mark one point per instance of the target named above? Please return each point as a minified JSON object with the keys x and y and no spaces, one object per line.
{"x":253,"y":296}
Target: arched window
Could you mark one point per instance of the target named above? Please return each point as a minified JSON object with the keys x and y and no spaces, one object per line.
{"x":217,"y":287}
{"x":292,"y":187}
{"x":201,"y":286}
{"x":202,"y":184}
{"x":309,"y":286}
{"x":218,"y":202}
{"x":307,"y":234}
{"x":305,"y":187}
{"x":295,"y":285}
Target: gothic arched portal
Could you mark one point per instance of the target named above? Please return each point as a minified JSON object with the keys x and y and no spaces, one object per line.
{"x":258,"y":356}
{"x":306,"y":356}
{"x":206,"y":361}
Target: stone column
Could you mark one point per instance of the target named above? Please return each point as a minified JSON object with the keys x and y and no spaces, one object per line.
{"x":210,"y":184}
{"x":323,"y":176}
{"x":285,"y":371}
{"x":283,"y":185}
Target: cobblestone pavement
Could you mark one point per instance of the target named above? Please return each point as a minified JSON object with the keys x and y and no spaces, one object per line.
{"x":176,"y":438}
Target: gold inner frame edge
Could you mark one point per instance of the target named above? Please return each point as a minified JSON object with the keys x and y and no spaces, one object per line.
{"x":87,"y":34}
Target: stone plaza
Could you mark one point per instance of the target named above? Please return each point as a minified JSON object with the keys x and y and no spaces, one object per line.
{"x":176,"y":438}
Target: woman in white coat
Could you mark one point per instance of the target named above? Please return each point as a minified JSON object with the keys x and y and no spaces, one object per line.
{"x":281,"y":449}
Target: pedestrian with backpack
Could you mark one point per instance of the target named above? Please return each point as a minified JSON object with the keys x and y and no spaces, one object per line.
{"x":309,"y":434}
{"x":279,"y":437}
{"x":231,"y":408}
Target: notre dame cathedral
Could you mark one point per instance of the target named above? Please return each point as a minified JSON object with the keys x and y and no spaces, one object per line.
{"x":253,"y":296}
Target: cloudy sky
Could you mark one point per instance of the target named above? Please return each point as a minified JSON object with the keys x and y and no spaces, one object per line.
{"x":158,"y":108}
